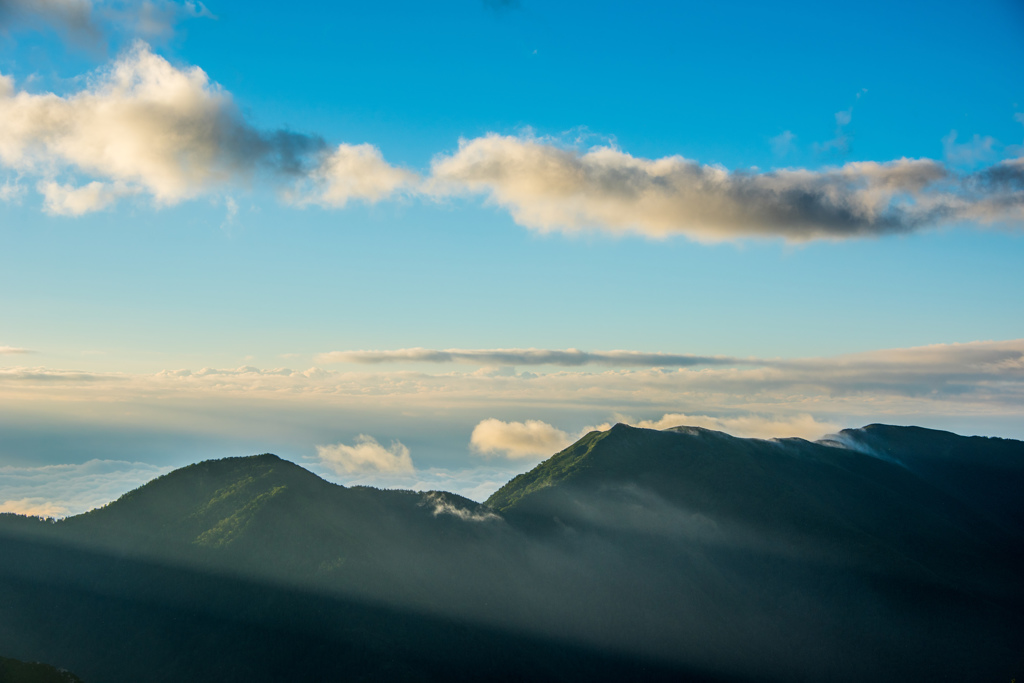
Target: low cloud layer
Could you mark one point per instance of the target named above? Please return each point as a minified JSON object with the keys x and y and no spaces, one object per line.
{"x":548,"y":187}
{"x":366,"y":455}
{"x":985,"y":373}
{"x":145,"y":126}
{"x":973,"y":388}
{"x":561,"y":357}
{"x":60,"y":490}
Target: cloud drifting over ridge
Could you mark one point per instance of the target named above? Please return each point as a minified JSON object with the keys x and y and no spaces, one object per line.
{"x":537,"y":439}
{"x":547,"y":187}
{"x":366,"y":456}
{"x":750,"y":426}
{"x":560,"y":357}
{"x":529,"y":439}
{"x":144,"y":125}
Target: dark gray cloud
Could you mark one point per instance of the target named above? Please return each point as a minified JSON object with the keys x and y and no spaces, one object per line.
{"x":566,"y":357}
{"x":500,"y":5}
{"x":74,"y":18}
{"x":89,"y":22}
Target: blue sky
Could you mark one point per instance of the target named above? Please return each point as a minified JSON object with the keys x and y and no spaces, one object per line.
{"x":207,"y":210}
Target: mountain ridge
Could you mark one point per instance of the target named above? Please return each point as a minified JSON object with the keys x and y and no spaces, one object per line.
{"x":686,"y":551}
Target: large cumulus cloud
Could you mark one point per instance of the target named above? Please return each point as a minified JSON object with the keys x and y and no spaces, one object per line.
{"x":144,"y":125}
{"x":549,"y":187}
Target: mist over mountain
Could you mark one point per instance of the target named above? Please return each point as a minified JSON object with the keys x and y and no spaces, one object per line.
{"x":882,"y":553}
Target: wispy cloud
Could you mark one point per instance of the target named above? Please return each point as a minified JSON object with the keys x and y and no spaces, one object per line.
{"x":978,"y":149}
{"x":12,"y":350}
{"x":840,"y":143}
{"x":67,"y":200}
{"x":782,"y":144}
{"x":560,"y":357}
{"x":11,"y":193}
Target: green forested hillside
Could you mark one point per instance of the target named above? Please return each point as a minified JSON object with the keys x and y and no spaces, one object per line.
{"x":683,"y":554}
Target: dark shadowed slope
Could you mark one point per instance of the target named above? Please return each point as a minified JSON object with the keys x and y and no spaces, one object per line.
{"x":683,"y":554}
{"x":841,"y":549}
{"x":14,"y":671}
{"x":848,"y":499}
{"x":984,"y":473}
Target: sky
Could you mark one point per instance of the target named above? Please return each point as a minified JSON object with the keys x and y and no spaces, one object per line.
{"x":427,"y":246}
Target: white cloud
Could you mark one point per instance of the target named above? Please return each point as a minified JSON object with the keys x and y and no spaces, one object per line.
{"x":366,"y":456}
{"x":145,"y":125}
{"x":548,"y":187}
{"x":534,"y":438}
{"x":12,"y":350}
{"x":989,"y":372}
{"x":512,"y":357}
{"x":354,"y":172}
{"x":67,"y":200}
{"x":11,"y":193}
{"x":444,"y":507}
{"x":527,"y":439}
{"x":59,"y":490}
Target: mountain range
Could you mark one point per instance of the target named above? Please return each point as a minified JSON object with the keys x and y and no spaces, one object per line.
{"x":882,"y":553}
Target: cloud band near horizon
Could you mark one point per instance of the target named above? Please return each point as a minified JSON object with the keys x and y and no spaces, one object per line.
{"x":560,"y":357}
